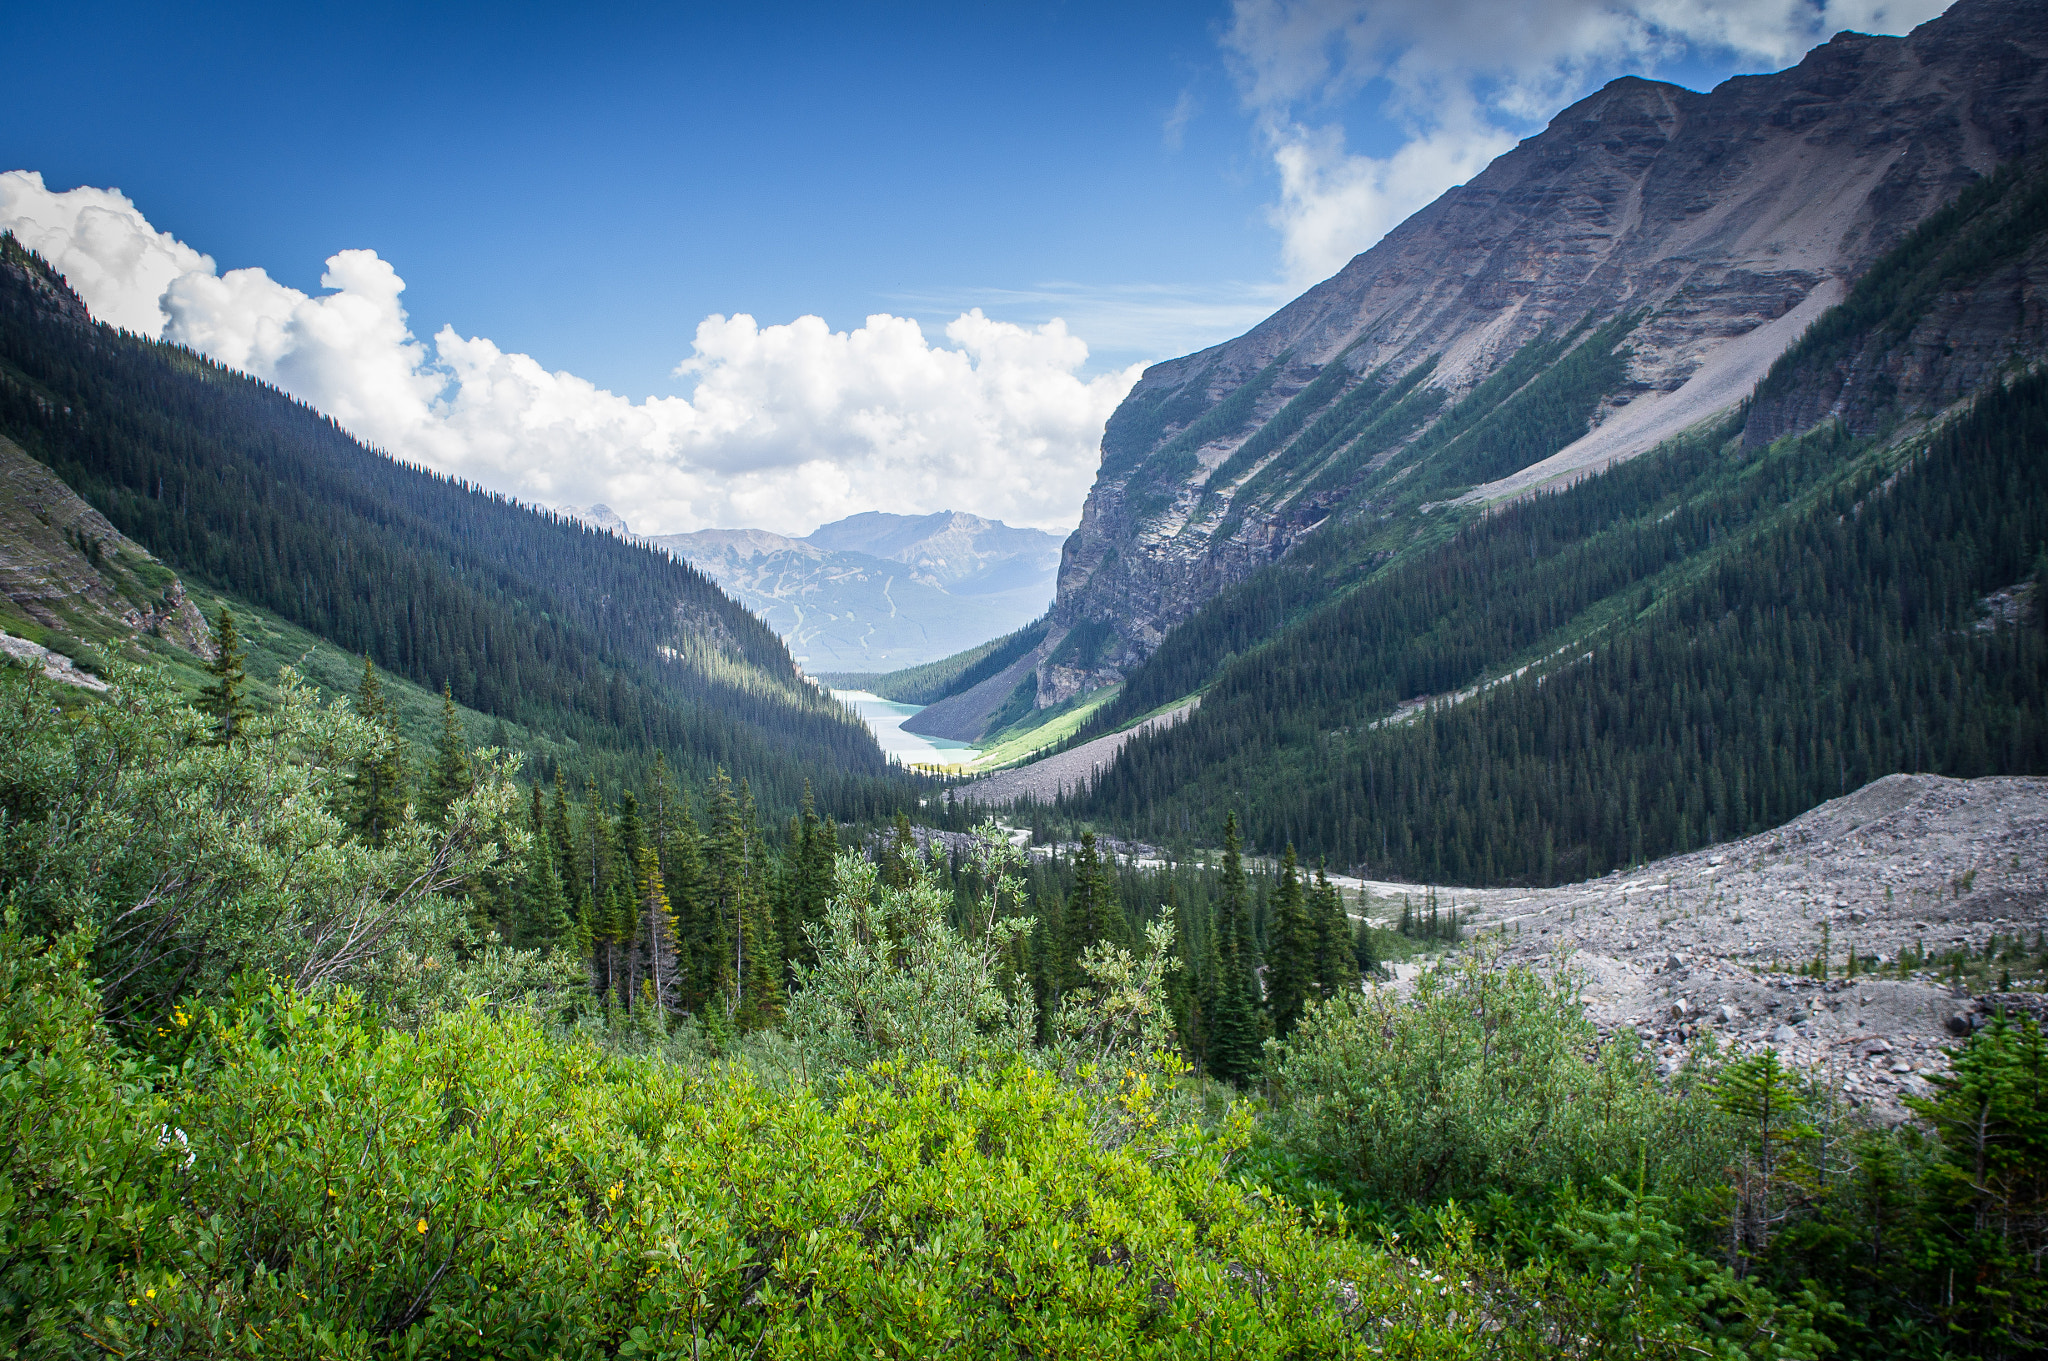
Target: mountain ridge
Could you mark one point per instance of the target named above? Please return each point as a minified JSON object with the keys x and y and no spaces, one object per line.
{"x":878,"y":591}
{"x":1711,"y":216}
{"x":614,"y":650}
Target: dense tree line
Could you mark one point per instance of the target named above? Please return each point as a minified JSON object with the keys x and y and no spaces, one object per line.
{"x":525,"y":615}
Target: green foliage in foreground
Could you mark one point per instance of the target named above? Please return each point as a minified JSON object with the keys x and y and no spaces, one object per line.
{"x":1486,"y":1081}
{"x":296,"y":1181}
{"x":273,"y":1087}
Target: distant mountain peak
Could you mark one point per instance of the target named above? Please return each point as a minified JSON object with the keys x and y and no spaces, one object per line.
{"x":878,"y":591}
{"x":599,"y":516}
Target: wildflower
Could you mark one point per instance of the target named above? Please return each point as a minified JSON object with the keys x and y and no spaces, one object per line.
{"x":423,"y":1226}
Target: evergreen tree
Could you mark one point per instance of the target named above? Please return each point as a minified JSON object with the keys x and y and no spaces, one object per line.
{"x":544,"y":917}
{"x":1336,"y":969}
{"x":378,"y":785}
{"x":1093,"y":916}
{"x":449,"y":777}
{"x":225,"y":699}
{"x":658,"y":930}
{"x":1364,"y":951}
{"x":564,"y":842}
{"x":683,"y":876}
{"x":807,"y":883}
{"x":758,"y":962}
{"x":1236,"y":1049}
{"x":724,"y":890}
{"x":1291,"y":965}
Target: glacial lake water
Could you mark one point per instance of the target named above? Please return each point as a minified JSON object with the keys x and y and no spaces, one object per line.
{"x":885,"y":719}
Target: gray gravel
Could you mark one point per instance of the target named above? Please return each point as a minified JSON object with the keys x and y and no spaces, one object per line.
{"x":1705,"y":944}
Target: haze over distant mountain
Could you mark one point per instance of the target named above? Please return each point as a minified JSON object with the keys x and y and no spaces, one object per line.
{"x":875,"y":591}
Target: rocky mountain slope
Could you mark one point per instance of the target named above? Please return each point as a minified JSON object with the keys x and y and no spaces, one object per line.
{"x":1631,"y":271}
{"x":877,"y":592}
{"x":74,"y":588}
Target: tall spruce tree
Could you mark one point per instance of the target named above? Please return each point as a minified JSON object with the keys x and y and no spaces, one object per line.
{"x":1236,"y":1049}
{"x":683,"y":875}
{"x":377,"y":787}
{"x":448,"y":779}
{"x":1336,"y":969}
{"x":1291,"y":964}
{"x":225,"y":698}
{"x":1093,"y":915}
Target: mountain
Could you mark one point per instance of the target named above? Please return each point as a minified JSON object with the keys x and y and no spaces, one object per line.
{"x":878,"y":592}
{"x":1698,"y":643}
{"x":1633,"y":270}
{"x":1535,"y":553}
{"x":613,"y":651}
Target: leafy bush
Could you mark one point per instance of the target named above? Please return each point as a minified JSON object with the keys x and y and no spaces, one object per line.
{"x":187,"y":861}
{"x":1487,"y":1080}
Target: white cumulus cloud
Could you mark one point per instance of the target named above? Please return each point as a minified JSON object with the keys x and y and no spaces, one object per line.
{"x":788,"y":425}
{"x":116,"y":261}
{"x":1458,"y":78}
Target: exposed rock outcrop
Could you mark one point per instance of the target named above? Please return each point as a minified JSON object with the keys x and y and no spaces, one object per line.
{"x":63,"y":566}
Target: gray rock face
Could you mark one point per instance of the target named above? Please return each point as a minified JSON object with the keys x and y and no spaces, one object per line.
{"x":1713,"y":214}
{"x":63,"y":565}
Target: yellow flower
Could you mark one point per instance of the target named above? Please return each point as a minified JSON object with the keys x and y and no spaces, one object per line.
{"x":423,"y":1226}
{"x":150,"y":1293}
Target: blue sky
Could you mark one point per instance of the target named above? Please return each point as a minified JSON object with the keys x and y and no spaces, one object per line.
{"x":585,"y":185}
{"x":588,"y":186}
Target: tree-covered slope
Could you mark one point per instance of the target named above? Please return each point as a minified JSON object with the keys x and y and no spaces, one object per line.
{"x":535,"y":618}
{"x":1692,"y":646}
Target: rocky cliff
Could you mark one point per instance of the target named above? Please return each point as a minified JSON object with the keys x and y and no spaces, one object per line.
{"x":1632,"y":270}
{"x":69,"y":579}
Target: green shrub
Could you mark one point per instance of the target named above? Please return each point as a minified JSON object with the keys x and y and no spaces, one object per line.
{"x":1486,"y":1081}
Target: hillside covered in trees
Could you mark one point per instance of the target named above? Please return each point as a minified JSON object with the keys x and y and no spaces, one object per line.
{"x":1692,"y":646}
{"x":527,"y":616}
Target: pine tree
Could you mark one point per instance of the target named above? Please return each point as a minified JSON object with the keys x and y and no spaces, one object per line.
{"x":724,"y":885}
{"x":449,"y":777}
{"x":806,"y":884}
{"x":1336,"y":969}
{"x":1093,"y":916}
{"x":1290,"y":967}
{"x":683,"y":875}
{"x":758,"y":962}
{"x":1363,"y":950}
{"x":378,"y":785}
{"x":545,"y":919}
{"x":1236,"y":1049}
{"x":225,"y":698}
